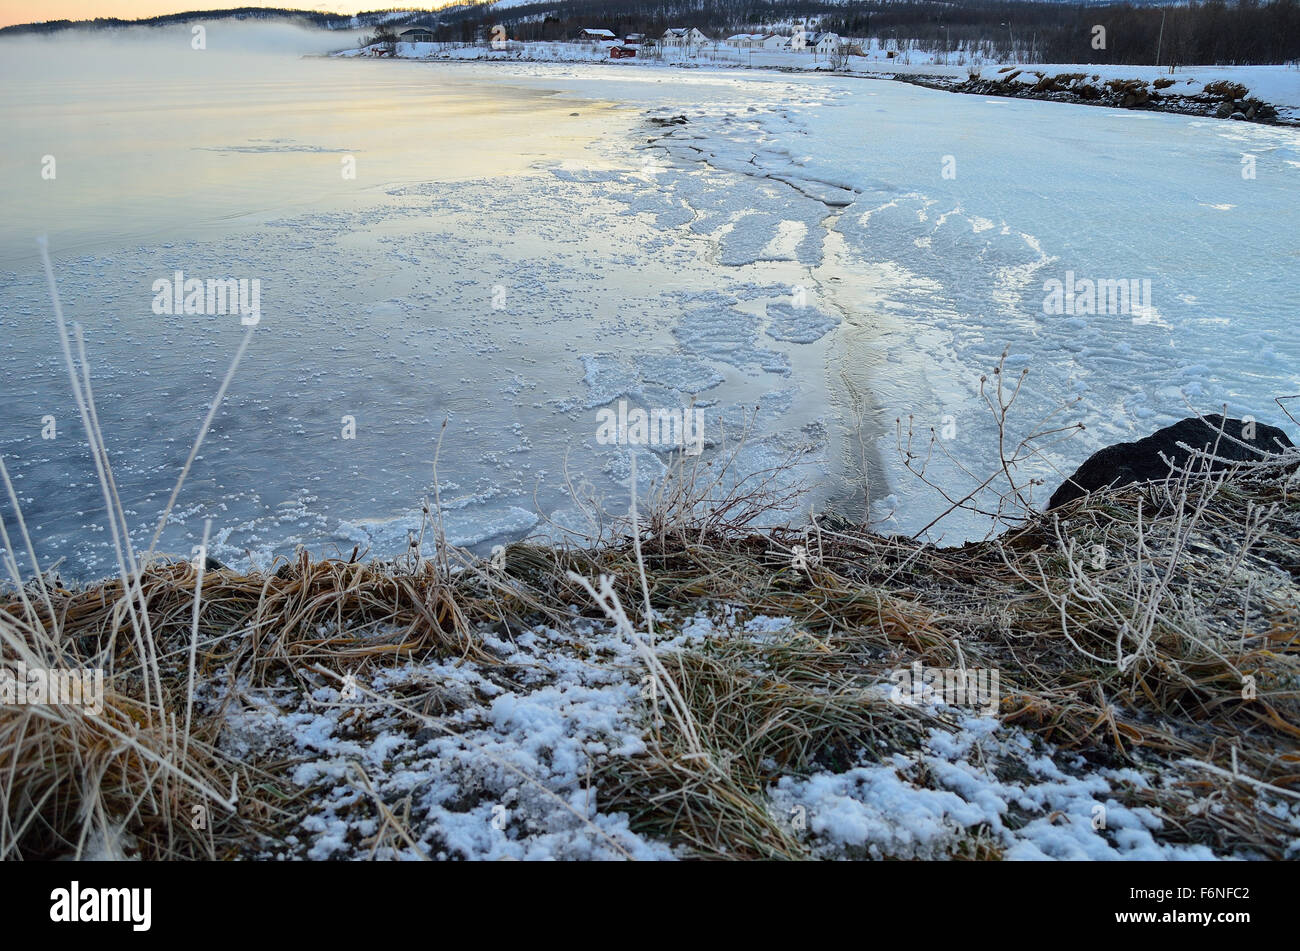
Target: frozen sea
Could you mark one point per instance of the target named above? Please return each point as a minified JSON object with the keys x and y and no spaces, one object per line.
{"x":807,"y":259}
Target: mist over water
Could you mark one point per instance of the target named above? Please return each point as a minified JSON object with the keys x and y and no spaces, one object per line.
{"x":152,"y":138}
{"x":428,"y":245}
{"x":251,"y":160}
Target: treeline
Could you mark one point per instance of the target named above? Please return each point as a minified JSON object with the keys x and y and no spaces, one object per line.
{"x":1211,"y":33}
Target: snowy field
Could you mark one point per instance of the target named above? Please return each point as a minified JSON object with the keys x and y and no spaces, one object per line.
{"x":807,"y":259}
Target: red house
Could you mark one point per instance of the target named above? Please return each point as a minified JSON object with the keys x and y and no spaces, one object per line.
{"x":622,"y":52}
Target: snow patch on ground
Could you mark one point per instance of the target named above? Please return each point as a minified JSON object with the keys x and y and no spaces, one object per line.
{"x":880,"y":811}
{"x":493,"y":758}
{"x":501,"y":769}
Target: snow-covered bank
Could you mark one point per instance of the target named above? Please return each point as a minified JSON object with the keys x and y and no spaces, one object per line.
{"x":1277,"y":85}
{"x":508,"y":770}
{"x":713,"y":693}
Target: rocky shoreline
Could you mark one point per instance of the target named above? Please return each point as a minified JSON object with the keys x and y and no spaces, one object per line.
{"x":1218,"y":100}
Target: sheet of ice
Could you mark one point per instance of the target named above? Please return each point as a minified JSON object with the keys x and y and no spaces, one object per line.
{"x":965,"y":210}
{"x":379,"y":322}
{"x":464,"y":528}
{"x":516,"y":306}
{"x":798,"y":324}
{"x":728,"y":335}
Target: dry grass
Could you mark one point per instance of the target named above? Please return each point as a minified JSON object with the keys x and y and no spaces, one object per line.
{"x":1225,"y":89}
{"x":1198,"y":590}
{"x":1137,"y":659}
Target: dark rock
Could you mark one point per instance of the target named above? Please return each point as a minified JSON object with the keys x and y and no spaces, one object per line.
{"x":1223,"y":110}
{"x":1129,"y":462}
{"x":211,"y":564}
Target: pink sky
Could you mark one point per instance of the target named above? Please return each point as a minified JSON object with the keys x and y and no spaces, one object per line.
{"x":27,"y":11}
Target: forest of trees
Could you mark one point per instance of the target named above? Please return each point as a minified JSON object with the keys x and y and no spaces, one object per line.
{"x":1214,"y":32}
{"x":1210,"y":33}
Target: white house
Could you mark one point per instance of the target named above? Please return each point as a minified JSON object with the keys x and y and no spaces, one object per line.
{"x":814,"y":42}
{"x":774,"y":42}
{"x":684,"y":37}
{"x":826,"y":43}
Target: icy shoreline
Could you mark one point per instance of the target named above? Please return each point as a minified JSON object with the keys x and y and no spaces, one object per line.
{"x":1275,"y":87}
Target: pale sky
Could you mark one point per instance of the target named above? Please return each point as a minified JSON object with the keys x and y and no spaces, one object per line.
{"x":28,"y":11}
